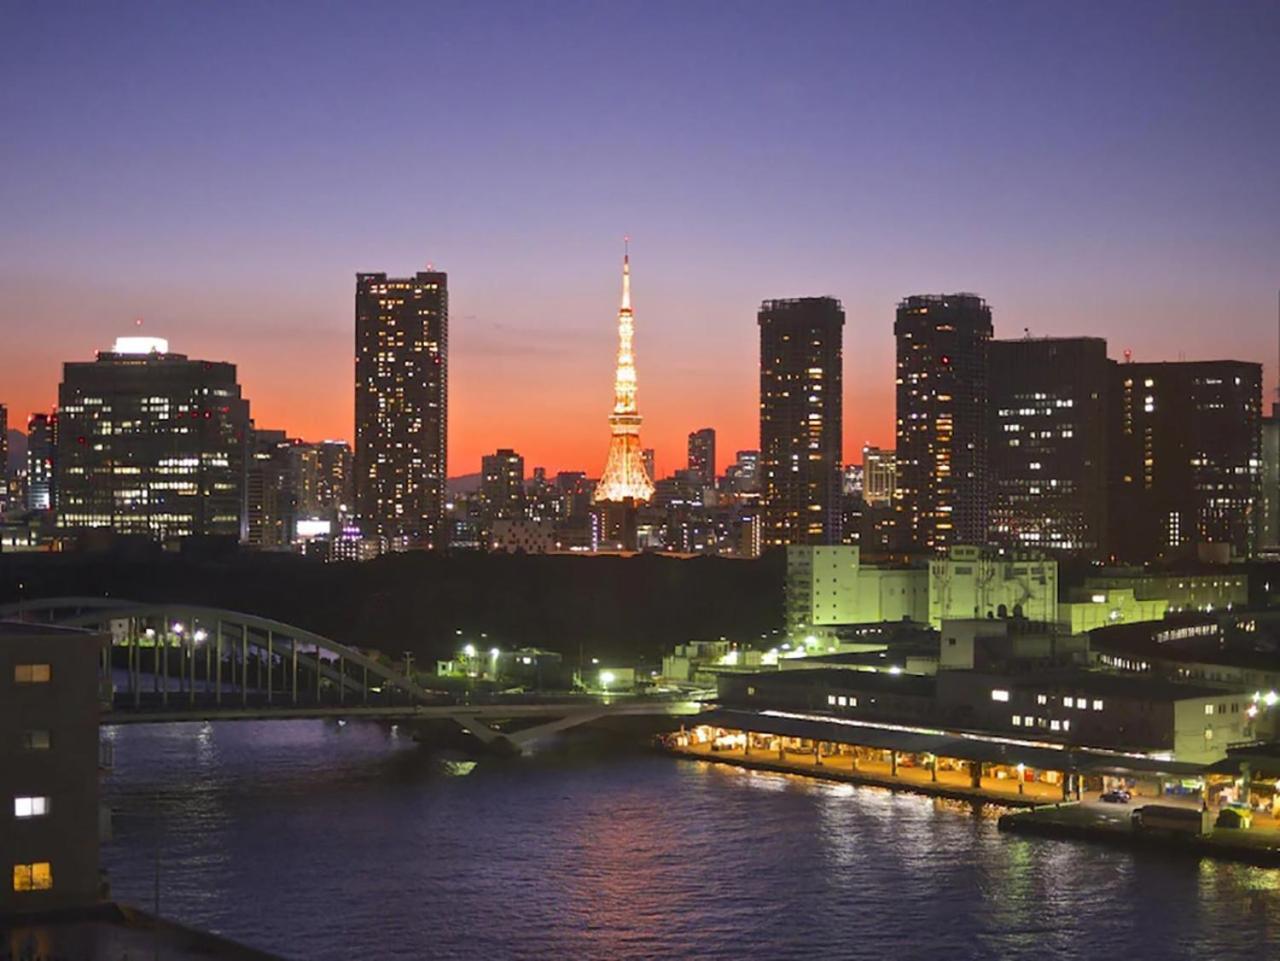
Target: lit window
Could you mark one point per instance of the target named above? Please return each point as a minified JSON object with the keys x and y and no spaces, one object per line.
{"x":1055,"y":725}
{"x":842,"y":701}
{"x":1042,"y":698}
{"x":35,"y":740}
{"x":831,"y":700}
{"x":1068,"y":702}
{"x":31,"y":673}
{"x":30,"y":807}
{"x":1097,"y":705}
{"x":998,"y":695}
{"x":1208,"y":708}
{"x":33,"y":877}
{"x":1017,"y":720}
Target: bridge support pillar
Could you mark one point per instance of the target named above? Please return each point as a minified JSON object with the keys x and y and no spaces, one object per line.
{"x":217,"y":686}
{"x":244,"y":664}
{"x":271,"y":657}
{"x":293,"y":657}
{"x":342,"y":680}
{"x":893,"y":763}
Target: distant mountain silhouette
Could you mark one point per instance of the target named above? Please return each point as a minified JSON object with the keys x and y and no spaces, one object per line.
{"x":463,"y":483}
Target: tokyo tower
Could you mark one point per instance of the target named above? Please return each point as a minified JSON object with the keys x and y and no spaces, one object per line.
{"x":624,"y":475}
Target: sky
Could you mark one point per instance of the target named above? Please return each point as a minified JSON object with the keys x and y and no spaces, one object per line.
{"x":222,"y":171}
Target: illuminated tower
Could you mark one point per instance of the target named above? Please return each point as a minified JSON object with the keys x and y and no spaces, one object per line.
{"x":625,"y":477}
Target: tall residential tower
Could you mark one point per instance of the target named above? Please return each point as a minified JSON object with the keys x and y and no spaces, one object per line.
{"x":402,"y":381}
{"x":942,"y":495}
{"x":801,"y":419}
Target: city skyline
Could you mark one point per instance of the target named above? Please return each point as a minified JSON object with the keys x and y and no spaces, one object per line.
{"x":1143,"y":214}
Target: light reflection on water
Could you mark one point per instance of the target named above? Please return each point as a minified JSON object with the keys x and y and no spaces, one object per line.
{"x":325,"y":843}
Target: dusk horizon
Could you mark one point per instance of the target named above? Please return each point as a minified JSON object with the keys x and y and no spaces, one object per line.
{"x":1088,"y":172}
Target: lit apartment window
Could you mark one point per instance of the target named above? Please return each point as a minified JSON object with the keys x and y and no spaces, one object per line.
{"x":842,"y":701}
{"x":30,"y":807}
{"x":31,"y":673}
{"x":1055,"y":725}
{"x":1068,"y":702}
{"x":1208,"y":708}
{"x":1042,"y":698}
{"x":33,"y":877}
{"x":999,"y":695}
{"x":831,"y":700}
{"x":35,"y":740}
{"x":1017,"y":720}
{"x":1097,"y":705}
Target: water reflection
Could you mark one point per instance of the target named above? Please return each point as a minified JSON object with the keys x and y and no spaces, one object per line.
{"x":386,"y":850}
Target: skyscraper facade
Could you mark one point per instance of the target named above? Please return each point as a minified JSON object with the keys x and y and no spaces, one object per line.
{"x":42,"y":436}
{"x":502,"y":491}
{"x":879,"y":476}
{"x":942,"y":495}
{"x":325,"y":478}
{"x":152,"y":443}
{"x":1187,"y":458}
{"x":801,"y":420}
{"x":702,"y":455}
{"x":1048,"y":444}
{"x":402,"y":380}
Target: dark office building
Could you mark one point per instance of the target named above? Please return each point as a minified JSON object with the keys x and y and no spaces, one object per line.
{"x":1048,"y":446}
{"x":942,"y":495}
{"x":402,"y":379}
{"x":801,"y":420}
{"x":702,"y":455}
{"x":151,"y":443}
{"x":1186,"y":458}
{"x":42,"y":455}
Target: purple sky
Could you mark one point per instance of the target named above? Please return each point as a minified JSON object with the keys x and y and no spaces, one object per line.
{"x":223,"y":170}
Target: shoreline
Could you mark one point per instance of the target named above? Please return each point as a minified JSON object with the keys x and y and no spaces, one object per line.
{"x":1065,"y":821}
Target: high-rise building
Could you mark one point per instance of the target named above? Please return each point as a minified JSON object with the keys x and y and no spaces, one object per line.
{"x":1269,"y":498}
{"x":1186,"y":458}
{"x":650,"y":458}
{"x":624,"y":479}
{"x":402,"y":380}
{"x":151,"y":442}
{"x":942,"y":496}
{"x":4,"y":452}
{"x":42,"y":457}
{"x":1048,"y":445}
{"x":502,"y":486}
{"x":801,"y":420}
{"x":743,"y":475}
{"x":702,"y":455}
{"x":325,"y":479}
{"x":879,"y":476}
{"x":272,"y":490}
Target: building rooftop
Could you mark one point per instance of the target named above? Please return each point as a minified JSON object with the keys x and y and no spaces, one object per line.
{"x":1109,"y":685}
{"x":876,"y":682}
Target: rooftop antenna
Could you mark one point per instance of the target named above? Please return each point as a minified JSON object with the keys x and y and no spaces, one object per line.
{"x":1026,"y":332}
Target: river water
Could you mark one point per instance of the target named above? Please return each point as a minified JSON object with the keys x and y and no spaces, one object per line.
{"x":327,"y":843}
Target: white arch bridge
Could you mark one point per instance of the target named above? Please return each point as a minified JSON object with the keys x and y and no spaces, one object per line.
{"x":183,"y":662}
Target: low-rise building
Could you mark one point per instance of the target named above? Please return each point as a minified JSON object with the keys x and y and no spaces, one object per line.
{"x":1091,"y":608}
{"x":830,"y":585}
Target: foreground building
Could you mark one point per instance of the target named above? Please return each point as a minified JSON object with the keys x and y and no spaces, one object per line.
{"x":801,"y":420}
{"x":828,"y":587}
{"x":943,"y":487}
{"x":402,"y":381}
{"x":49,"y":704}
{"x":151,"y":443}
